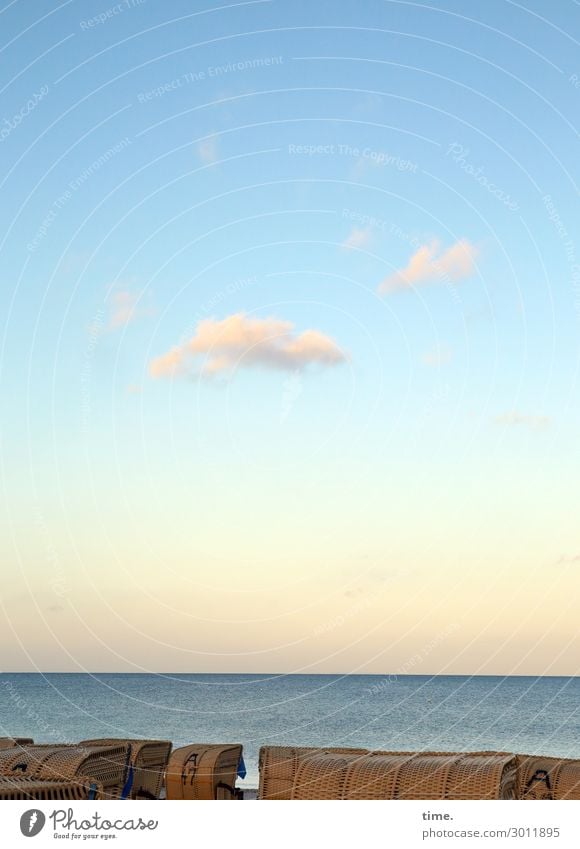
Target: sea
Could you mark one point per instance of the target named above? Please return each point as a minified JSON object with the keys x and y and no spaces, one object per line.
{"x":393,"y":712}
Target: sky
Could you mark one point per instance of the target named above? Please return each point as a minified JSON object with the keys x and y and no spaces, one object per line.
{"x":289,"y":336}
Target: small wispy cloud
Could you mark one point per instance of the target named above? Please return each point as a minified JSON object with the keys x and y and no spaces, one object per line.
{"x":207,"y":150}
{"x":440,"y":355}
{"x":430,"y":263}
{"x":241,"y":342}
{"x":124,"y":308}
{"x":359,"y":237}
{"x":568,"y":558}
{"x":513,"y":418}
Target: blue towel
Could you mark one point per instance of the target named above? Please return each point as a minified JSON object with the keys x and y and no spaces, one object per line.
{"x":129,"y":776}
{"x":128,"y":784}
{"x":242,"y":768}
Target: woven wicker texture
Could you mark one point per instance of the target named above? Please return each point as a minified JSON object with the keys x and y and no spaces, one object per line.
{"x":487,"y":775}
{"x":547,"y":778}
{"x":374,"y":777}
{"x":287,"y":773}
{"x":34,"y":788}
{"x":149,"y":759}
{"x":279,"y":765}
{"x":322,"y":776}
{"x":9,"y":742}
{"x":105,"y":765}
{"x":203,"y":771}
{"x":471,"y":775}
{"x":424,"y":777}
{"x":19,"y":759}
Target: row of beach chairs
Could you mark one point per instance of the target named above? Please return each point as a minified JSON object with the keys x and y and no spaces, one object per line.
{"x":118,"y":769}
{"x":149,"y":769}
{"x":349,"y":774}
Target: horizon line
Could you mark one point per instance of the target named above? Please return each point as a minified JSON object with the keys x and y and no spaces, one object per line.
{"x":299,"y":674}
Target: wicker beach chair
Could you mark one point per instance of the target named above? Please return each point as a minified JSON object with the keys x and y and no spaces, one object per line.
{"x":423,"y":776}
{"x":448,"y":775}
{"x":322,"y":775}
{"x":547,"y":778}
{"x":482,"y":775}
{"x":455,"y":775}
{"x":279,"y":765}
{"x":12,"y":788}
{"x":106,"y":765}
{"x":373,"y":777}
{"x":10,"y":742}
{"x":445,"y":775}
{"x":203,"y":771}
{"x":148,"y":761}
{"x":355,"y":774}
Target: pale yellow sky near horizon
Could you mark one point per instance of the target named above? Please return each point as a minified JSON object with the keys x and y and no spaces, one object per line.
{"x":404,"y":570}
{"x":399,"y":604}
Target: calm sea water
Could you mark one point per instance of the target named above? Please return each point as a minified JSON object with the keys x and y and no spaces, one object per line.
{"x":409,"y":712}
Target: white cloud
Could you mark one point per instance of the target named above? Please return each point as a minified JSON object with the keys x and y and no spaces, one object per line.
{"x":513,"y":417}
{"x":429,"y":263}
{"x":123,"y":308}
{"x":241,"y":342}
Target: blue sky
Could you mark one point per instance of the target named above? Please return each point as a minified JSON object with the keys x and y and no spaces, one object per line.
{"x":377,"y":205}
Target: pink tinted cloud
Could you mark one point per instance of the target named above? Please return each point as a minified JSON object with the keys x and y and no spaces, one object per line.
{"x":357,"y":238}
{"x":430,"y":263}
{"x":124,"y":308}
{"x":241,"y":342}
